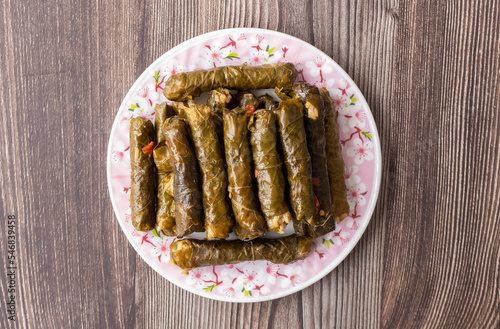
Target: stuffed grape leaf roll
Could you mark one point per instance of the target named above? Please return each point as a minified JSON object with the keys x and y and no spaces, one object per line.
{"x":189,"y":253}
{"x":181,"y":85}
{"x":314,"y":122}
{"x":165,"y":215}
{"x":267,"y":102}
{"x":267,"y":162}
{"x":293,"y":140}
{"x":335,"y":161}
{"x":240,"y":173}
{"x":218,"y":220}
{"x":143,"y":188}
{"x":245,"y":98}
{"x":218,"y":100}
{"x":187,"y":190}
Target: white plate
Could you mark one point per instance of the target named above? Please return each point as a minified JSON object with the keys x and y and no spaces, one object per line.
{"x":253,"y":281}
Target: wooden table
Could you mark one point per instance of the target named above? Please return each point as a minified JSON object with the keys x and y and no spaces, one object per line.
{"x":430,"y":72}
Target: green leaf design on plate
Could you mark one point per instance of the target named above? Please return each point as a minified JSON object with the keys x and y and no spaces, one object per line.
{"x":367,"y":134}
{"x":156,"y":233}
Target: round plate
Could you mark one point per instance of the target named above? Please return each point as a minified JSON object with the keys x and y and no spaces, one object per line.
{"x":260,"y":280}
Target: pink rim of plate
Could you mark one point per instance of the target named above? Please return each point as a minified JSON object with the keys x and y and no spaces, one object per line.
{"x":369,"y":138}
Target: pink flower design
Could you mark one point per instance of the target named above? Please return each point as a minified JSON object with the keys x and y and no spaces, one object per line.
{"x":256,"y":58}
{"x":358,"y":118}
{"x":161,"y":249}
{"x":250,"y":278}
{"x":236,"y":40}
{"x":352,"y":224}
{"x":128,"y":215}
{"x":228,"y":291}
{"x":121,"y":154}
{"x":285,"y":49}
{"x":173,"y":67}
{"x":212,"y":55}
{"x":350,"y":116}
{"x":293,"y":276}
{"x":360,"y":151}
{"x":351,"y":177}
{"x":124,"y":120}
{"x":318,"y":66}
{"x":356,"y":195}
{"x":264,"y":291}
{"x":258,"y":42}
{"x":272,"y":269}
{"x":198,"y":277}
{"x":227,"y":287}
{"x":272,"y":272}
{"x":136,"y":235}
{"x":143,"y":92}
{"x":340,"y":237}
{"x":328,"y":84}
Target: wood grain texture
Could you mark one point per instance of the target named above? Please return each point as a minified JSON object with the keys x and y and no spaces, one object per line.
{"x":430,"y":258}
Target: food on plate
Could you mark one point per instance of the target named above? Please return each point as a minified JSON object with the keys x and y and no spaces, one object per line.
{"x":143,"y":188}
{"x":314,"y":122}
{"x":165,"y":213}
{"x":249,"y":222}
{"x":218,"y":100}
{"x":292,"y":136}
{"x":268,"y":170}
{"x":245,"y":98}
{"x":189,"y":253}
{"x":218,"y":220}
{"x":182,"y":85}
{"x":335,"y":161}
{"x":187,"y":188}
{"x":267,"y":102}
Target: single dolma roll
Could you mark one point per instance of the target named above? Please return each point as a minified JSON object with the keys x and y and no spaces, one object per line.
{"x":245,"y":98}
{"x":217,"y":101}
{"x":293,"y":140}
{"x":267,"y":102}
{"x":187,"y":188}
{"x":267,"y":162}
{"x":240,"y":173}
{"x":335,"y":160}
{"x":218,"y":220}
{"x":143,"y":188}
{"x":165,"y":212}
{"x":314,"y":123}
{"x":189,"y":253}
{"x":181,"y":85}
{"x":165,"y":215}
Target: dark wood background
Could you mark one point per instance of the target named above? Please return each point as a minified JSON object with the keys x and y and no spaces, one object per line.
{"x":430,"y":72}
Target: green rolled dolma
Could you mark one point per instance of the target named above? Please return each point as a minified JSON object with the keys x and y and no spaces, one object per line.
{"x":217,"y":101}
{"x":314,"y":122}
{"x":143,"y":188}
{"x":240,"y":173}
{"x":245,"y":98}
{"x":267,"y":162}
{"x":165,"y":212}
{"x":181,"y":85}
{"x":165,"y":215}
{"x":293,"y":140}
{"x":335,"y":160}
{"x":218,"y":220}
{"x":187,"y":190}
{"x":267,"y":102}
{"x":189,"y":253}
